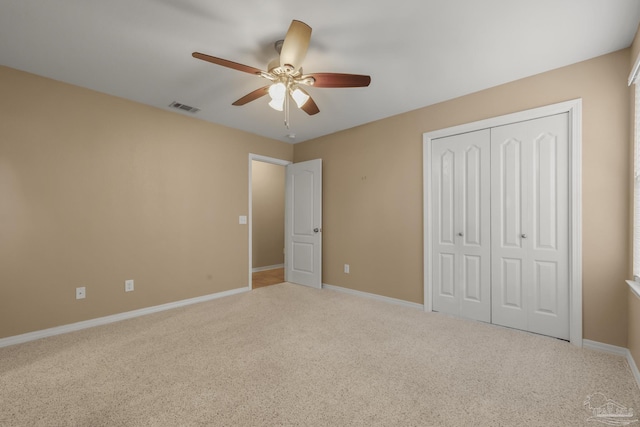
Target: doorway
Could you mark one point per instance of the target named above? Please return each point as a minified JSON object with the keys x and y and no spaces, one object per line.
{"x":266,"y":220}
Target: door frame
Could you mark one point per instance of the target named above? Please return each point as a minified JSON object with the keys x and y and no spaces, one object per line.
{"x":264,"y":159}
{"x":574,"y":108}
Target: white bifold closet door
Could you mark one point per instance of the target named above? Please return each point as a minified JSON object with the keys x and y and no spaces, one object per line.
{"x":529,"y":224}
{"x":461,"y":248}
{"x":500,"y":225}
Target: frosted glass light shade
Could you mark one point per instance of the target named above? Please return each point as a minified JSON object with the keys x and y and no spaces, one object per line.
{"x":300,"y":97}
{"x":277,"y":104}
{"x":277,"y":91}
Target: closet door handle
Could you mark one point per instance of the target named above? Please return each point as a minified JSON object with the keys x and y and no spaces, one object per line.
{"x":524,"y":236}
{"x":460,"y":234}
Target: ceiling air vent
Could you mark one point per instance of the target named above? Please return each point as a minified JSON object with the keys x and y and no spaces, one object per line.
{"x":184,"y":107}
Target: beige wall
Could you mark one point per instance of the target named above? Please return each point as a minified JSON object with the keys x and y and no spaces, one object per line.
{"x":372,"y":178}
{"x":267,"y":210}
{"x":96,"y":189}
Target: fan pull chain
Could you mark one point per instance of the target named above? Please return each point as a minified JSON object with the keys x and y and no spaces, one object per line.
{"x":286,"y":109}
{"x":287,"y":95}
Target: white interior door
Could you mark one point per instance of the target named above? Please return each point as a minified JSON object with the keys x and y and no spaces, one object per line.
{"x":529,"y":211}
{"x":461,"y":209}
{"x":303,"y":223}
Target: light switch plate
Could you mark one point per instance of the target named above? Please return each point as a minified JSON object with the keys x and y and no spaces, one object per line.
{"x":243,"y":219}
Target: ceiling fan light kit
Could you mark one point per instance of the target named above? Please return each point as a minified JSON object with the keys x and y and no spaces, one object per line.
{"x":286,"y":76}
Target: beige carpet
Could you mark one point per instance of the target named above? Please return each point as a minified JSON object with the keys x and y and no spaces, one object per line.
{"x":290,"y":355}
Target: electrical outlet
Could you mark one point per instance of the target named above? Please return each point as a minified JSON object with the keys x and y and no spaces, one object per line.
{"x":128,"y":285}
{"x":81,"y":293}
{"x":346,"y":268}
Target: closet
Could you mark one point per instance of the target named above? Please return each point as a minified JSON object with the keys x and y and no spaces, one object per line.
{"x":499,"y":225}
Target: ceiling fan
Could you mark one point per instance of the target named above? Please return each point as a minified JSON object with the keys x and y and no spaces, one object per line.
{"x":285,"y":74}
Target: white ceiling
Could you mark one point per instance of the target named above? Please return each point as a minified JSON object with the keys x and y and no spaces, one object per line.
{"x":417,"y":52}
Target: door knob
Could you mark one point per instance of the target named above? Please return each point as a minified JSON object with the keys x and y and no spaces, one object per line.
{"x":460,"y":234}
{"x":315,"y":230}
{"x":524,"y":236}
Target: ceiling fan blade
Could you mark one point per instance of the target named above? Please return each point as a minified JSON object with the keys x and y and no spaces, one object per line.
{"x":252,"y":96}
{"x":310,"y":106}
{"x":295,"y":45}
{"x":227,"y":63}
{"x":339,"y":80}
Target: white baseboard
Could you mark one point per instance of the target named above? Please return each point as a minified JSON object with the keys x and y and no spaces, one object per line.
{"x":374,"y":296}
{"x":618,"y":351}
{"x":32,"y":336}
{"x":268,"y":267}
{"x":605,"y":348}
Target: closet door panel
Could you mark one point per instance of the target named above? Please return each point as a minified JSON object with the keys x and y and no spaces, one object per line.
{"x":508,"y":197}
{"x":460,"y":185}
{"x":545,"y":280}
{"x":475,"y":242}
{"x":511,"y":277}
{"x":472,"y":196}
{"x":549,"y":253}
{"x":446,"y":194}
{"x":472,"y":278}
{"x":546,"y":185}
{"x":507,"y":216}
{"x":443,"y":184}
{"x":530,"y":224}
